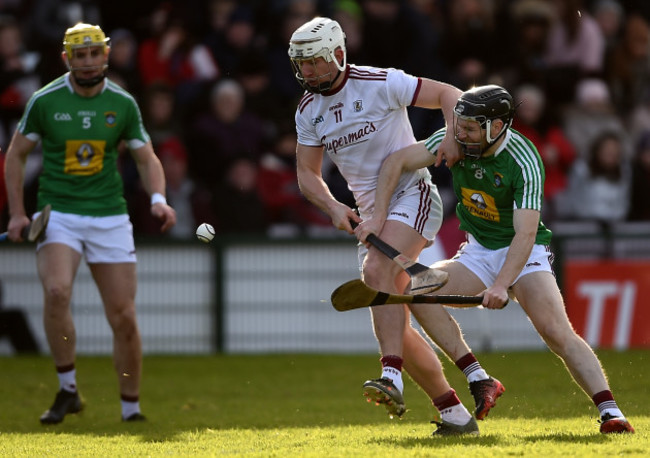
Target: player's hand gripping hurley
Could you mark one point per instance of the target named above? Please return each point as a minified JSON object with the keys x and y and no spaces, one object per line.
{"x":355,"y":294}
{"x":35,"y":229}
{"x":423,"y":279}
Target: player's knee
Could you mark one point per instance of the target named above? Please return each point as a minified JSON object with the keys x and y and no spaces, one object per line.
{"x":57,"y":295}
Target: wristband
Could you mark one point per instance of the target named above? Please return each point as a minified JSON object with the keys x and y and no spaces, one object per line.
{"x":157,"y":198}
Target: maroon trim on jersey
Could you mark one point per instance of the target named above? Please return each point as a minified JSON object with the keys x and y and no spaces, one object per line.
{"x":346,"y":73}
{"x":424,"y":207}
{"x":417,"y":92}
{"x":306,"y":100}
{"x":375,"y":75}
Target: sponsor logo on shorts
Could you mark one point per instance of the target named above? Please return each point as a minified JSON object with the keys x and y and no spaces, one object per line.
{"x":402,"y":214}
{"x":530,"y":264}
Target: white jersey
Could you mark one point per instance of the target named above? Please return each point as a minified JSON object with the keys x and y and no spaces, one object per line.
{"x":360,"y":124}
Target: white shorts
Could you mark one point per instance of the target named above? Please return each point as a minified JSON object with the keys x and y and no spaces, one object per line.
{"x":101,"y":239}
{"x":419,"y":207}
{"x":486,"y":263}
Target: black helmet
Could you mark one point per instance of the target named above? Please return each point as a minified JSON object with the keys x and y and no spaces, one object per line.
{"x":484,"y":104}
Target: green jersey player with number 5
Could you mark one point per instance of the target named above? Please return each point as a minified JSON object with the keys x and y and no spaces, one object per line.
{"x":498,"y":181}
{"x":80,"y":118}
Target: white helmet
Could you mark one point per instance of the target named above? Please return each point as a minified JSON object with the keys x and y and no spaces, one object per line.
{"x":319,"y":37}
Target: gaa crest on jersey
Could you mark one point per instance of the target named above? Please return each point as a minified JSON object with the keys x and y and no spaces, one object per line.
{"x":498,"y":180}
{"x":317,"y":120}
{"x":111,"y":118}
{"x":357,"y":106}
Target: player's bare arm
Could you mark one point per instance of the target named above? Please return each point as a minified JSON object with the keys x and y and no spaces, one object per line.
{"x":435,"y":94}
{"x":525,"y":222}
{"x":314,"y":188}
{"x":153,"y":180}
{"x":15,"y":160}
{"x":412,"y":157}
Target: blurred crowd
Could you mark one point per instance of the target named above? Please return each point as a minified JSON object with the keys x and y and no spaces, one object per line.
{"x":218,"y":96}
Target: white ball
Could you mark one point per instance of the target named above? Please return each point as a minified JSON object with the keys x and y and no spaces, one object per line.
{"x":205,"y":232}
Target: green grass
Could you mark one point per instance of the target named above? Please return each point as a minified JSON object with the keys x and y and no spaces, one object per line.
{"x":311,"y":405}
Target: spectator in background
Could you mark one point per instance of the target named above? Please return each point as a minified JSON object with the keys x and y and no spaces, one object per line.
{"x":471,"y":27}
{"x":543,"y":129}
{"x":123,"y":63}
{"x":349,"y":14}
{"x":531,"y":22}
{"x":18,"y":76}
{"x":173,"y":56}
{"x":162,"y":124}
{"x":236,"y":39}
{"x":260,"y":97}
{"x":628,"y":69}
{"x":4,"y":216}
{"x":278,"y":186}
{"x":282,"y":75}
{"x":159,"y":112}
{"x":224,"y":132}
{"x":599,"y":185}
{"x":610,"y":17}
{"x":193,"y":203}
{"x":640,"y":198}
{"x":236,"y":201}
{"x":590,"y":114}
{"x":576,"y":48}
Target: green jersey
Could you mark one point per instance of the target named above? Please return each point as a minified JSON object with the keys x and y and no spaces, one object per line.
{"x":491,"y":188}
{"x":80,"y":138}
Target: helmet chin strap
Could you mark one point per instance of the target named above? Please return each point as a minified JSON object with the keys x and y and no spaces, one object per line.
{"x":321,"y":88}
{"x":89,"y":82}
{"x":474,"y":151}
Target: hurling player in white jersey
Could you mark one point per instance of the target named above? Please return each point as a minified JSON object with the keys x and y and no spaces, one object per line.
{"x":357,"y":115}
{"x":499,"y":184}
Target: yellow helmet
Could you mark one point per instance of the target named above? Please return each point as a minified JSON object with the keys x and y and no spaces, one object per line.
{"x":82,"y":36}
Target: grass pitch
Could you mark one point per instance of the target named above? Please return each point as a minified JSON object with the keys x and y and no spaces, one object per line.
{"x":311,"y":405}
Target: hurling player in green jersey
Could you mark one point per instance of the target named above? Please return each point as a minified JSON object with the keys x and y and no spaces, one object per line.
{"x":498,"y":180}
{"x":80,"y":118}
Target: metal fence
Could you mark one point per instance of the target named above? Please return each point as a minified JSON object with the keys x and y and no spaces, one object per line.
{"x":261,"y":295}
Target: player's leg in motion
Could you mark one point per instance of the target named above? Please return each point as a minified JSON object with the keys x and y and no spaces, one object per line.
{"x":117,"y":286}
{"x":390,"y":321}
{"x":445,"y":332}
{"x":423,"y":365}
{"x":57,"y":265}
{"x":541,"y":299}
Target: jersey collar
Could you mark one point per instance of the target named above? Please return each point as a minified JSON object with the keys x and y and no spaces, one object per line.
{"x":503,"y":144}
{"x":345,"y":75}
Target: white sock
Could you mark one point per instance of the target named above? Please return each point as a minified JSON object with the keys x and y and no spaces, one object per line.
{"x":395,"y":375}
{"x":458,"y":415}
{"x":613,"y":412}
{"x":68,"y":380}
{"x":477,"y":375}
{"x":129,"y":408}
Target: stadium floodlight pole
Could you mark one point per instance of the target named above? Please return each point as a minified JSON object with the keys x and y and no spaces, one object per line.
{"x":355,"y":294}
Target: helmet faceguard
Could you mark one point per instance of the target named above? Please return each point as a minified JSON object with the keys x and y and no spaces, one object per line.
{"x":85,"y":36}
{"x":320,"y":37}
{"x":483,"y":104}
